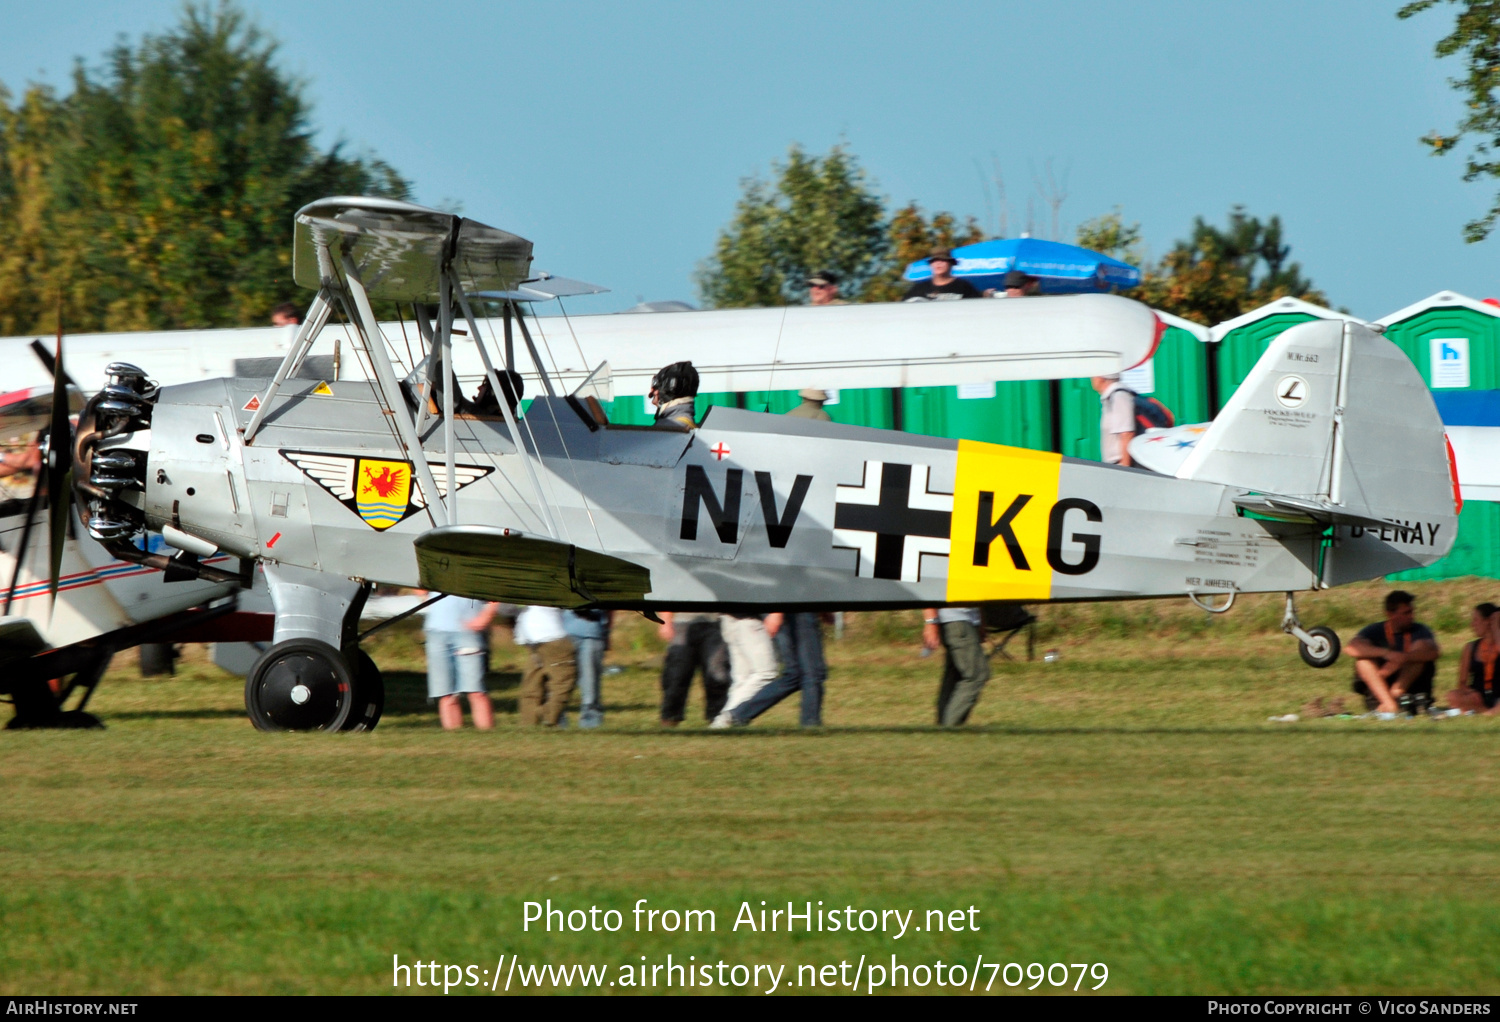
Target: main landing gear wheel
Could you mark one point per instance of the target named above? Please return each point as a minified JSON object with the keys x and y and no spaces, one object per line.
{"x":1324,"y":648}
{"x":300,"y":685}
{"x":369,"y":694}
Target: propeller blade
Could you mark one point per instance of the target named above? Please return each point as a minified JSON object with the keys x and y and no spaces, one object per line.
{"x":59,"y":465}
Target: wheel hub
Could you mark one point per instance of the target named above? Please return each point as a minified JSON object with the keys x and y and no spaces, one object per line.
{"x":302,"y":692}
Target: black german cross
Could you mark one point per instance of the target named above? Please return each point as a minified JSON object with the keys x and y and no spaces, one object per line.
{"x":892,"y":520}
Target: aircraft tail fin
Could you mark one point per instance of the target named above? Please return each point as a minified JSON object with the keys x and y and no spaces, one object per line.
{"x":1336,"y":420}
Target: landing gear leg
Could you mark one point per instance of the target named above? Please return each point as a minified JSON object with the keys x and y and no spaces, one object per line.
{"x":1319,"y":646}
{"x":315,"y":677}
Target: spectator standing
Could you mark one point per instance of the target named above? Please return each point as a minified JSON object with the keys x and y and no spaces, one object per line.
{"x":966,"y":668}
{"x":752,"y":659}
{"x":823,"y":289}
{"x":1117,"y":419}
{"x":548,"y":681}
{"x":1395,"y":658}
{"x":286,"y":314}
{"x":1019,"y":284}
{"x":943,"y":285}
{"x":589,"y":631}
{"x":457,"y":635}
{"x":799,"y":642}
{"x":811,"y":407}
{"x":694,"y":642}
{"x":798,"y":635}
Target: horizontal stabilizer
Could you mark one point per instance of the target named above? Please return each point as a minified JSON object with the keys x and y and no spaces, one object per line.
{"x":486,"y":563}
{"x":1297,"y":509}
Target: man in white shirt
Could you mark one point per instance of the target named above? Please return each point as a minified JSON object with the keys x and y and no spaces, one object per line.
{"x":1117,"y":423}
{"x":548,"y":682}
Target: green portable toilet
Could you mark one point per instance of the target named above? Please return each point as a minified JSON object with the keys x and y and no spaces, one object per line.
{"x":1454,"y":340}
{"x":1242,"y":340}
{"x":1016,"y":413}
{"x":853,"y":406}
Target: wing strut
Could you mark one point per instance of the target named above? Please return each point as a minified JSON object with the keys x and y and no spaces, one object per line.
{"x":317,"y":317}
{"x":369,"y":331}
{"x":445,"y":343}
{"x":510,"y":416}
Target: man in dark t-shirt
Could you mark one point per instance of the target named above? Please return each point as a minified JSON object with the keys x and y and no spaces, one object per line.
{"x":943,"y":285}
{"x":1394,"y":657}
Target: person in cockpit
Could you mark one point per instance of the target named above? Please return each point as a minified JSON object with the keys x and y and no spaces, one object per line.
{"x":673,"y":390}
{"x":511,"y":385}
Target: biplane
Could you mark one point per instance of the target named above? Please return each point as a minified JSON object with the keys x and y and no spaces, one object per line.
{"x":1327,"y":465}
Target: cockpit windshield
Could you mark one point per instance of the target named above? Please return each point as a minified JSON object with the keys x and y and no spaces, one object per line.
{"x":599,"y":385}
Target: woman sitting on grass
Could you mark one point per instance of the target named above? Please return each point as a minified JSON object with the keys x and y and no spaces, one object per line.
{"x":1477,"y":684}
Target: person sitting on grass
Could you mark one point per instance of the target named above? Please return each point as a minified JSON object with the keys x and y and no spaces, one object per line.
{"x":1477,"y":683}
{"x":1395,"y":658}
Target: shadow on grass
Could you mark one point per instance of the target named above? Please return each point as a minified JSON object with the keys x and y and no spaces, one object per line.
{"x":985,"y":730}
{"x":173,"y":715}
{"x":406,"y":692}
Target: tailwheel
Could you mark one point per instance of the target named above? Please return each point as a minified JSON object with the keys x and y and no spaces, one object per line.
{"x":369,"y":694}
{"x":300,"y":685}
{"x":1319,"y":646}
{"x":1322,"y":650}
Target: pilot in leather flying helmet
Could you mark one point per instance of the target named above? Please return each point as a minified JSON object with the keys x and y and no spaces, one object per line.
{"x":672,"y":391}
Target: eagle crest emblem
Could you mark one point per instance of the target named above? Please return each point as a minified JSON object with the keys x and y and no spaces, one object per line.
{"x":381,"y":491}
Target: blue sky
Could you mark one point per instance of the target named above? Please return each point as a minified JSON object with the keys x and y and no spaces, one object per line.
{"x":615,"y":135}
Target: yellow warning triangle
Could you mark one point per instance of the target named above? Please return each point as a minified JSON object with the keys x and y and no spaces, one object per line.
{"x":323,"y":388}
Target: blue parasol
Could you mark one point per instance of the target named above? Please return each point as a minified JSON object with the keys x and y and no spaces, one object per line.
{"x":1062,"y":269}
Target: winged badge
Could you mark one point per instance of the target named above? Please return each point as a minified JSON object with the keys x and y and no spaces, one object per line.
{"x":379,"y":490}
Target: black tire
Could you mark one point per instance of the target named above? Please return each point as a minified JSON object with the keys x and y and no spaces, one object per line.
{"x":369,"y":694}
{"x":156,"y":659}
{"x":1323,"y":654}
{"x":300,"y":685}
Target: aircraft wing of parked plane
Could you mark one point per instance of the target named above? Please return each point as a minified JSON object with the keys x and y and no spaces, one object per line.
{"x":67,"y":605}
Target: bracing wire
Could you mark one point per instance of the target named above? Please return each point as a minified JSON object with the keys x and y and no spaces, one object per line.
{"x":776,"y":353}
{"x":577,"y":483}
{"x":406,"y":340}
{"x":552,"y":412}
{"x":583,"y":361}
{"x":460,"y":301}
{"x":366,"y":364}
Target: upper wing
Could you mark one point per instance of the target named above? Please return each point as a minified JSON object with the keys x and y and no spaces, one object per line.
{"x":400,"y":248}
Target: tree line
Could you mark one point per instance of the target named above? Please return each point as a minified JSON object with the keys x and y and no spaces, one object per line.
{"x":159,"y":192}
{"x":823,"y":213}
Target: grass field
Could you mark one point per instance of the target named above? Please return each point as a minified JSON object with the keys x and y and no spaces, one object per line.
{"x":1127,"y":804}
